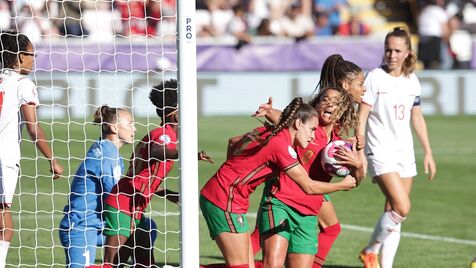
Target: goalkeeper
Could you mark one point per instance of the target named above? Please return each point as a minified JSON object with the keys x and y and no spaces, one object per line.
{"x":80,"y":229}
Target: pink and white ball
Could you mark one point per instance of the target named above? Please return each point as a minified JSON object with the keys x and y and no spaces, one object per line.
{"x":329,"y":159}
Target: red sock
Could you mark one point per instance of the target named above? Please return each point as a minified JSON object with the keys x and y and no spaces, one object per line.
{"x":259,"y":264}
{"x":255,"y":241}
{"x":222,"y":265}
{"x":325,"y":239}
{"x":214,"y":265}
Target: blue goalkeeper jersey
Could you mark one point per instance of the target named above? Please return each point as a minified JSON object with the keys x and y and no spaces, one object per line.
{"x":94,"y":179}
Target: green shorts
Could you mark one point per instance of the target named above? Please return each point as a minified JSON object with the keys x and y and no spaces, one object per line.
{"x":220,"y":221}
{"x":275,"y":217}
{"x":118,"y":223}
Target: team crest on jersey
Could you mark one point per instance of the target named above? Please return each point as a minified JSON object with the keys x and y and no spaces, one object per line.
{"x":117,"y":173}
{"x":165,"y":138}
{"x":291,"y":152}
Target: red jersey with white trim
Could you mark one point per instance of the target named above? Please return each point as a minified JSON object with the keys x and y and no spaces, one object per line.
{"x":15,"y":91}
{"x":286,"y":190}
{"x":132,"y":194}
{"x":250,"y":165}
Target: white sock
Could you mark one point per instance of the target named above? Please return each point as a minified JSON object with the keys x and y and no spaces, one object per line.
{"x":390,"y":246}
{"x":385,"y":225}
{"x":4,"y":245}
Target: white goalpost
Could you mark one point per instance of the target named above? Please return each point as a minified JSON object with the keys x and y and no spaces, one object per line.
{"x":76,"y":73}
{"x":187,"y":75}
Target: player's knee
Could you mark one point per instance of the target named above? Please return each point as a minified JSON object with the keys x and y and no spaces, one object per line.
{"x":403,"y":209}
{"x":272,"y":261}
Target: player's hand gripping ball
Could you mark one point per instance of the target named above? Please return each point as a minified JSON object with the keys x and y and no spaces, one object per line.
{"x":329,"y":159}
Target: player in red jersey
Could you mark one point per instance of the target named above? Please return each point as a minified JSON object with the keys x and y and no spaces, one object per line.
{"x":287,"y":216}
{"x":151,"y":161}
{"x":258,"y":156}
{"x":347,"y":77}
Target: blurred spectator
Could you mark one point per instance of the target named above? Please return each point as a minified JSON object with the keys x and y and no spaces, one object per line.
{"x":160,"y":15}
{"x":354,"y":27}
{"x":321,"y":26}
{"x":166,"y":27}
{"x":101,"y":21}
{"x":133,"y":17}
{"x":69,"y":20}
{"x":296,"y":24}
{"x":5,"y":16}
{"x":469,"y":16}
{"x":258,"y":10}
{"x":264,"y":28}
{"x":434,"y":33}
{"x":221,"y":15}
{"x":203,"y":23}
{"x":238,"y":26}
{"x":334,"y":9}
{"x":461,"y":43}
{"x":33,"y":21}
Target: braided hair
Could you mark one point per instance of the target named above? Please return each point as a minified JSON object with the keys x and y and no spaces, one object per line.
{"x":335,"y":71}
{"x":297,"y":109}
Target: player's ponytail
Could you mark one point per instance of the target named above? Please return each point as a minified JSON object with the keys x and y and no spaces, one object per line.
{"x":335,"y":71}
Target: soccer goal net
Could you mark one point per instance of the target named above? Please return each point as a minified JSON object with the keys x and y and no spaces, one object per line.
{"x":88,"y":54}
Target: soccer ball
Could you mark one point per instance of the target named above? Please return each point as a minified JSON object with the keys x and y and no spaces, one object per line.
{"x":328,"y":160}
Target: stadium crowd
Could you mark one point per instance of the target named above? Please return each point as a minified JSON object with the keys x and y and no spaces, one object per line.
{"x":442,"y":25}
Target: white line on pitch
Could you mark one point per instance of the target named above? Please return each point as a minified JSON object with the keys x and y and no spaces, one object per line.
{"x":405,"y":234}
{"x":414,"y":235}
{"x":253,"y":215}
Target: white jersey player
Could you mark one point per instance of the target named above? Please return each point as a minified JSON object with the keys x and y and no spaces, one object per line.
{"x":391,"y":101}
{"x":18,"y":103}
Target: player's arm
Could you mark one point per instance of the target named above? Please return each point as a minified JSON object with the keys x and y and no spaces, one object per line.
{"x":172,"y":196}
{"x":105,"y":172}
{"x":162,"y":153}
{"x":267,"y":110}
{"x":363,"y":113}
{"x":299,"y":175}
{"x":38,"y":136}
{"x":421,"y":131}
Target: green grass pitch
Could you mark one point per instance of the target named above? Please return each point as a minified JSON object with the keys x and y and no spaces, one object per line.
{"x":439,"y":232}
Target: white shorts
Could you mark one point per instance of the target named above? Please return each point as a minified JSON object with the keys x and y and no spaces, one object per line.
{"x":405,"y":166}
{"x":8,"y":182}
